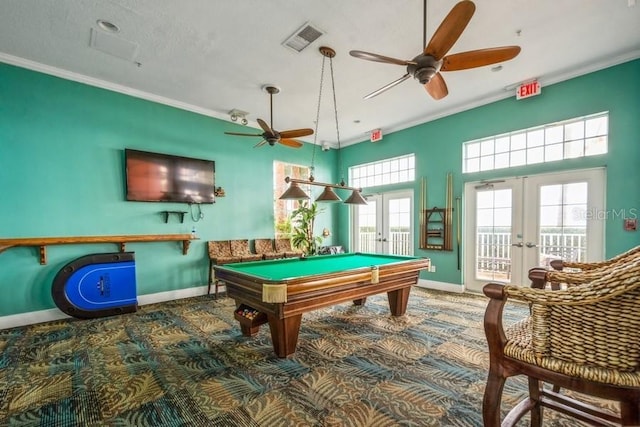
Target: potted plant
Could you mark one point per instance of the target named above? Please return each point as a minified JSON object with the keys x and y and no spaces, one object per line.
{"x":302,"y":221}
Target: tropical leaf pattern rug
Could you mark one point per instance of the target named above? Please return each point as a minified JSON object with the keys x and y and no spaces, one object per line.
{"x":185,"y":363}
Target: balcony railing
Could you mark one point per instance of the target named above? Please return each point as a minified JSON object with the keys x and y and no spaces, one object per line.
{"x":493,"y":251}
{"x":399,"y":242}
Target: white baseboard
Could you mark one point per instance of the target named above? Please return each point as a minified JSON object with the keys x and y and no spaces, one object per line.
{"x":41,"y":316}
{"x":440,"y":286}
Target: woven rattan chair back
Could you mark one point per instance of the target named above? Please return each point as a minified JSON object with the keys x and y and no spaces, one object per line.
{"x":585,"y":338}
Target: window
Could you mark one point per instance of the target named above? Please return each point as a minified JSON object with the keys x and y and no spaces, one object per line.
{"x":383,"y":172}
{"x":283,"y":208}
{"x":580,"y":137}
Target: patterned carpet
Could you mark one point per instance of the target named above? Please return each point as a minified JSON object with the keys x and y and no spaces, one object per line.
{"x":185,"y":363}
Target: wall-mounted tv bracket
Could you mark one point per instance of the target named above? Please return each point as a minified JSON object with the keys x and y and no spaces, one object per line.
{"x":180,"y":214}
{"x":236,"y":114}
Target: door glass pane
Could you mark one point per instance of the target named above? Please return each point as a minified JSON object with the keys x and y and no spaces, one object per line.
{"x":400,"y":227}
{"x":563,"y":222}
{"x":493,"y":235}
{"x":367,"y":227}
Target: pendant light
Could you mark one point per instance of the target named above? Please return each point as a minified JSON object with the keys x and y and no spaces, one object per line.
{"x":328,"y":194}
{"x":294,"y":192}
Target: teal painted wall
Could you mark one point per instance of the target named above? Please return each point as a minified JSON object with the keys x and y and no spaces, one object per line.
{"x":62,"y":174}
{"x":438,"y":149}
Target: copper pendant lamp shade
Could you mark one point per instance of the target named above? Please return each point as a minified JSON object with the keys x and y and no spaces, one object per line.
{"x":328,"y":195}
{"x":294,"y":192}
{"x":355,"y":199}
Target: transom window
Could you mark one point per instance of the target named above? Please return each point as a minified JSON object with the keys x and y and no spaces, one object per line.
{"x":383,"y":172}
{"x":580,"y":137}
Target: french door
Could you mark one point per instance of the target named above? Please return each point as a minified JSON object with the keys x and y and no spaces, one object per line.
{"x":385,"y":224}
{"x":515,"y":224}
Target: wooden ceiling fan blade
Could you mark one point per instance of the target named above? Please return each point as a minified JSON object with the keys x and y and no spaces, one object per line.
{"x":265,"y":127}
{"x":260,"y":144}
{"x":378,"y":58}
{"x":479,"y":58}
{"x":296,"y":133}
{"x":388,"y":86}
{"x":242,"y":134}
{"x":290,"y":143}
{"x":437,"y":87}
{"x":450,"y":29}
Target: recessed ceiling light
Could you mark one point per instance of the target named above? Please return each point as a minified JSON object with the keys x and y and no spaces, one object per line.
{"x":108,"y":26}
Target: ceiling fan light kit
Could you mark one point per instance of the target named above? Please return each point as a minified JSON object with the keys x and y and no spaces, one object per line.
{"x":236,"y":115}
{"x":426,"y":68}
{"x":328,"y":194}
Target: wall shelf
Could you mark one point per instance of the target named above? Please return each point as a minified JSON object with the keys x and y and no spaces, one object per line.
{"x":43,"y":242}
{"x":179,"y":214}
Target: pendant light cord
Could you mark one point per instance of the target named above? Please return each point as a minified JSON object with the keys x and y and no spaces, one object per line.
{"x":315,"y":133}
{"x":335,"y":111}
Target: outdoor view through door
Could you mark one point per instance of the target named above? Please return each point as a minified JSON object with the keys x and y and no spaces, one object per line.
{"x":385,"y":224}
{"x":519,"y":223}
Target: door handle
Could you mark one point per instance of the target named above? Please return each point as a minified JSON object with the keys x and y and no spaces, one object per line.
{"x":384,"y":240}
{"x":518,"y":245}
{"x":378,"y":240}
{"x":531,"y":245}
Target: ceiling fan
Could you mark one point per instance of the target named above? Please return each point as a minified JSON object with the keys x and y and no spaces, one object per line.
{"x":270,"y":135}
{"x":427,"y":66}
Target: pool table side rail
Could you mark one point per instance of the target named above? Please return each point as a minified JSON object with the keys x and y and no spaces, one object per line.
{"x":322,"y":281}
{"x":238,"y":267}
{"x":306,"y":294}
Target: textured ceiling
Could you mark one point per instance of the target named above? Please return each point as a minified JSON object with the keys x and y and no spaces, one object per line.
{"x":215,"y":56}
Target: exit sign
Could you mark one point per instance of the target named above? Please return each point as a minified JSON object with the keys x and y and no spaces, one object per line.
{"x":376,"y":135}
{"x":525,"y":90}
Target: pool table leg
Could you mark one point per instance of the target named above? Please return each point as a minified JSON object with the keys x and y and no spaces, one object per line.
{"x":398,"y":301}
{"x":284,"y":334}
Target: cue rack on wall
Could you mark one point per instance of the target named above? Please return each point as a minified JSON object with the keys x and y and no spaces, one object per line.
{"x":436,"y":224}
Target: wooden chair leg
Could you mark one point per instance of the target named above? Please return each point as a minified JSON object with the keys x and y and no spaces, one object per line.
{"x":492,"y":400}
{"x":629,"y":413}
{"x":210,"y":277}
{"x":534,"y":395}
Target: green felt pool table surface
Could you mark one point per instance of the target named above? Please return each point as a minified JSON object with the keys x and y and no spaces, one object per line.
{"x":290,"y":268}
{"x":280,"y":291}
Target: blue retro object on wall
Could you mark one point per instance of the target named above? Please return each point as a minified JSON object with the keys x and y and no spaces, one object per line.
{"x":97,"y":285}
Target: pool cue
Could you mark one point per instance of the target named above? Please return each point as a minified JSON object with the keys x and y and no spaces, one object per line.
{"x":458,"y":228}
{"x":423,"y":219}
{"x":448,"y":244}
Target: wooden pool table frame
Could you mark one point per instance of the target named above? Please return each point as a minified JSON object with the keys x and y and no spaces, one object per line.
{"x":313,"y":292}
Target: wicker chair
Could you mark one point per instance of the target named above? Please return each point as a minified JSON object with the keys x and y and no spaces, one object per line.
{"x":587,"y":271}
{"x":265,"y":248}
{"x":627,"y":256}
{"x":284,"y":246}
{"x":240,"y":248}
{"x":585,"y":338}
{"x":219,"y":253}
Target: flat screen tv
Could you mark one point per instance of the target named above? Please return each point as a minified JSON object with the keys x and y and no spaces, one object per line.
{"x":155,"y":177}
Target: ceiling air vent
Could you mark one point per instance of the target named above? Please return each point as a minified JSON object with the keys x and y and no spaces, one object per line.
{"x":113,"y":45}
{"x":303,"y":37}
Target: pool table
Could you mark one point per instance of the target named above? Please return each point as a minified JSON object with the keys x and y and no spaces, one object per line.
{"x":279,"y":291}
